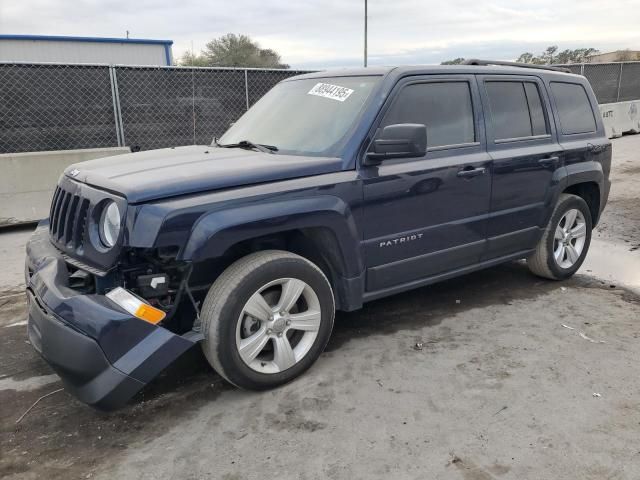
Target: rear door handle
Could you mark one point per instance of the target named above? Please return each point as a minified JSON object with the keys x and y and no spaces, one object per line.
{"x":468,"y":172}
{"x":549,"y":161}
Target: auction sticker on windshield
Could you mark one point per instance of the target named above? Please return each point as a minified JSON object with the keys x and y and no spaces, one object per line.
{"x":334,"y":92}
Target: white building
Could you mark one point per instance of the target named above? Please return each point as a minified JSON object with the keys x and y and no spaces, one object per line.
{"x":61,"y":49}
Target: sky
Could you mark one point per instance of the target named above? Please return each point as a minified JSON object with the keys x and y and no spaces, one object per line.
{"x":329,"y":33}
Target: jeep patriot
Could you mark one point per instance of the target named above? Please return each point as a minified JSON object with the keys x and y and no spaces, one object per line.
{"x":333,"y":190}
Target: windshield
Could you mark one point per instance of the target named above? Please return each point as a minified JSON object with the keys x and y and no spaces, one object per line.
{"x":305,"y":117}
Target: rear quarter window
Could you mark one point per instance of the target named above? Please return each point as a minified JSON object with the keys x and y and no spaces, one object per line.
{"x":574,"y":108}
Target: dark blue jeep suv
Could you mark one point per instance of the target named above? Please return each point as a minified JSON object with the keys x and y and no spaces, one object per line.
{"x":333,"y":190}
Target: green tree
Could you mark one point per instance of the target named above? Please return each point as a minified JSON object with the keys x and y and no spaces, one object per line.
{"x":526,"y":57}
{"x":455,"y":61}
{"x":551,"y":55}
{"x":564,"y":56}
{"x":233,"y":50}
{"x":580,"y":55}
{"x":189,"y":59}
{"x":548,"y":56}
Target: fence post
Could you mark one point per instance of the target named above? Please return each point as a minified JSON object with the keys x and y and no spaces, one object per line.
{"x":246,"y":88}
{"x":619,"y":83}
{"x":116,"y":97}
{"x":115,"y":106}
{"x":582,"y":69}
{"x":193,"y":102}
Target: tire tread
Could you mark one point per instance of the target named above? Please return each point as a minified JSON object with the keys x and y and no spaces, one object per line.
{"x":224,"y":287}
{"x":538,"y":262}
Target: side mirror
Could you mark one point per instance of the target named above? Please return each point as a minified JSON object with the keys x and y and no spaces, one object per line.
{"x":398,"y":141}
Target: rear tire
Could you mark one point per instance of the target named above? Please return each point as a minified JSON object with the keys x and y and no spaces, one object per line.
{"x":267,"y":319}
{"x":565,"y":242}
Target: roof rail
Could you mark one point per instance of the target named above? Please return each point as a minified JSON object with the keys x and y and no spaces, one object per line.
{"x":475,"y":61}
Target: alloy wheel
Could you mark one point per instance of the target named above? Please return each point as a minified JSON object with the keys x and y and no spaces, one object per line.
{"x":569,"y":238}
{"x":278,"y":325}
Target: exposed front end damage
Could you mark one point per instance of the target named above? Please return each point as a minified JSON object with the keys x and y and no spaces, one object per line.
{"x":103,"y":354}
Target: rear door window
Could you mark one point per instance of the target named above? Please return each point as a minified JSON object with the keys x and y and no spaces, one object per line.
{"x":444,"y":107}
{"x":574,"y":108}
{"x":516,"y":110}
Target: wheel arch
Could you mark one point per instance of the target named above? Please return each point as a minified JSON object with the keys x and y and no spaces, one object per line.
{"x":320,"y":230}
{"x":590,"y":193}
{"x":587,"y":180}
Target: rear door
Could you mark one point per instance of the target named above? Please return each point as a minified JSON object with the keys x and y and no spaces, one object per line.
{"x":522,"y":141}
{"x":426,"y":216}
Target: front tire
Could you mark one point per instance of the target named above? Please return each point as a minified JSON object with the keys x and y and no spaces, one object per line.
{"x":267,"y":319}
{"x":565,"y":242}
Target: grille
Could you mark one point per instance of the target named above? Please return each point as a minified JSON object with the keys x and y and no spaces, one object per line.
{"x":67,"y":219}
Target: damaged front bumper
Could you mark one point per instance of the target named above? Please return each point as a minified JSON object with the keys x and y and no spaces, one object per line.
{"x":103,"y":354}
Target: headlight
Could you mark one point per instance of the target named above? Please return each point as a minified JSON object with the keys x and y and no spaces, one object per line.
{"x":110,"y":224}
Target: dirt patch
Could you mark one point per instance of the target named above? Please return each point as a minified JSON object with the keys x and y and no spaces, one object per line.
{"x":620,"y":221}
{"x":471,"y":471}
{"x":428,"y":306}
{"x":62,"y":438}
{"x":631,"y":170}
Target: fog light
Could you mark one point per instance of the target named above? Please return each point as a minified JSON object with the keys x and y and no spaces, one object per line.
{"x":136,"y":306}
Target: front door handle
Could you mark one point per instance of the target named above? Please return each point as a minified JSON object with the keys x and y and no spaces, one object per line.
{"x":549,"y":161}
{"x":468,"y":172}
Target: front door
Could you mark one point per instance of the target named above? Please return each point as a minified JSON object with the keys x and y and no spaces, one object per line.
{"x":427,"y":216}
{"x":522,"y":142}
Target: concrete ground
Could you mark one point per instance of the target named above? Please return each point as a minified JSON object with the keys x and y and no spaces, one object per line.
{"x":12,"y":249}
{"x":495,"y":375}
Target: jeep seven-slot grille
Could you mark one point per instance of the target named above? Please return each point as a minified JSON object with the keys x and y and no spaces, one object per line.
{"x":67,"y":218}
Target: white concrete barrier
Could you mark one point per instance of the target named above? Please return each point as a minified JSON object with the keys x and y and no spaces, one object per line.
{"x":27,"y":180}
{"x":621,"y":117}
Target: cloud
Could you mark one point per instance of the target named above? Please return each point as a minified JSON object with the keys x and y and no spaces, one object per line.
{"x":329,"y":33}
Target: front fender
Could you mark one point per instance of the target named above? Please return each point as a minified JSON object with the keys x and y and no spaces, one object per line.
{"x":214,"y":233}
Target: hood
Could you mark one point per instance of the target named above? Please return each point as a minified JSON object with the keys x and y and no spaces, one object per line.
{"x":156,"y":174}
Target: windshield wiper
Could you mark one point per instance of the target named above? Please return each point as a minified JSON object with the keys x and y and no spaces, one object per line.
{"x":247,"y":144}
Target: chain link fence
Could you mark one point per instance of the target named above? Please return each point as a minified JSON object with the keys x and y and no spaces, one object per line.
{"x":64,"y":107}
{"x":629,"y":82}
{"x":605,"y":80}
{"x":55,"y":107}
{"x":611,"y":82}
